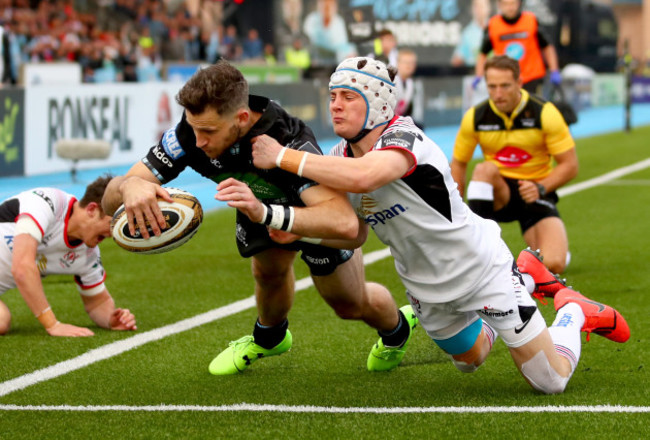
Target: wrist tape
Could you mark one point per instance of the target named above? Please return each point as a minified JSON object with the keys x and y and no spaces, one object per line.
{"x":291,"y":160}
{"x":278,"y":217}
{"x":47,"y":318}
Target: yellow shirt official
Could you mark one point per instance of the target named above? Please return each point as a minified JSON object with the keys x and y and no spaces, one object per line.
{"x":522,"y":144}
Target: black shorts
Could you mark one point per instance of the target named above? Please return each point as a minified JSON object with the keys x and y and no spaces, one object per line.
{"x":253,"y":238}
{"x":527,"y":214}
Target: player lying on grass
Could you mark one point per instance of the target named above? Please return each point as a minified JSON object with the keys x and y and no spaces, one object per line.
{"x":214,"y":138}
{"x":46,"y":231}
{"x":460,"y":276}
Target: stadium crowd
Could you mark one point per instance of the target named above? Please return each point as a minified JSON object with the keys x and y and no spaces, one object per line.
{"x":123,"y":40}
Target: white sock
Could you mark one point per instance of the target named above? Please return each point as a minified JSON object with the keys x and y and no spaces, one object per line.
{"x":565,"y":332}
{"x":529,"y":282}
{"x":480,"y":191}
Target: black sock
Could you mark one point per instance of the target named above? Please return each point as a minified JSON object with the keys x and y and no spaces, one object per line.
{"x":269,"y":337}
{"x":484,"y":208}
{"x":398,"y":336}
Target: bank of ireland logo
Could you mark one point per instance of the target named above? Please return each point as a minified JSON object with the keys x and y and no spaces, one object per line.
{"x":515,"y":50}
{"x":8,"y":153}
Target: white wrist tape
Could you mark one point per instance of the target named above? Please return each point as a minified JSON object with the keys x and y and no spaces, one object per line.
{"x":279,"y":217}
{"x":278,"y":160}
{"x":302,"y":164}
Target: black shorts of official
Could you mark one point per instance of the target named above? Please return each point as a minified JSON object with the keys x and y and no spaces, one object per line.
{"x":253,"y":238}
{"x":527,"y":214}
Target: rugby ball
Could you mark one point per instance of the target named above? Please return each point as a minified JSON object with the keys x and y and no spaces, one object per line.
{"x":184,"y":216}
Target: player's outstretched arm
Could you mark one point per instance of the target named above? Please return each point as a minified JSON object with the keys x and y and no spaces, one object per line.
{"x":138,"y":190}
{"x":28,"y":281}
{"x":101,"y":309}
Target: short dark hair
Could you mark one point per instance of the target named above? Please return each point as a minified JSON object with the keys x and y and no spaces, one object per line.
{"x":220,"y":86}
{"x":95,"y":191}
{"x":503,"y":62}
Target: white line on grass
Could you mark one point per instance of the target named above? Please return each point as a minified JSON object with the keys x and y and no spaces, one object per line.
{"x":248,"y":407}
{"x":119,"y":347}
{"x":124,"y":345}
{"x":607,"y":177}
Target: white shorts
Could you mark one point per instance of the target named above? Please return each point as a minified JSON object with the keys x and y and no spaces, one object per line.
{"x":501,"y":300}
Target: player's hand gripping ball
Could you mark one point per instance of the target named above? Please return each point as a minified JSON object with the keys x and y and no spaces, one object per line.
{"x":183,"y":216}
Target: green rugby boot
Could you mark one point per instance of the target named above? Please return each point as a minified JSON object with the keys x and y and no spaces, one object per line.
{"x":384,"y":358}
{"x":243,"y":352}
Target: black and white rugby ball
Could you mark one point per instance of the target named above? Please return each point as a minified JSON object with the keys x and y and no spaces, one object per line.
{"x":183,"y":216}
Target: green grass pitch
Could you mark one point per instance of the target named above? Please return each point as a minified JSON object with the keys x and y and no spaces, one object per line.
{"x":608,"y":233}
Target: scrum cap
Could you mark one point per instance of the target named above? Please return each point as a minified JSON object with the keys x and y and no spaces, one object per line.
{"x":372,"y":81}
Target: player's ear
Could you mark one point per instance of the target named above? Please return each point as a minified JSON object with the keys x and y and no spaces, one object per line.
{"x":93,"y":208}
{"x":242,"y":116}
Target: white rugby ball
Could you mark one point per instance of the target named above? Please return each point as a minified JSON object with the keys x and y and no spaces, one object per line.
{"x":184,"y":216}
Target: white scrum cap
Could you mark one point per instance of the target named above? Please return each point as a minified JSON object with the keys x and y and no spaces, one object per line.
{"x":373,"y":82}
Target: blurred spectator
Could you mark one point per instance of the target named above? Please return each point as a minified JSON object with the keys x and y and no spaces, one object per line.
{"x":6,"y":62}
{"x":232,"y":49}
{"x":386,"y":48}
{"x":253,"y":47}
{"x":406,"y":65}
{"x":297,"y":55}
{"x":471,"y":37}
{"x":327,"y":33}
{"x":269,"y":55}
{"x":210,"y":44}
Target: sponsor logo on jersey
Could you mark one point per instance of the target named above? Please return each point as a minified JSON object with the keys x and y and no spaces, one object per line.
{"x":162,"y":157}
{"x":9,"y":240}
{"x":399,"y":138}
{"x":372,"y":216}
{"x":512,"y":157}
{"x":68,"y":259}
{"x":528,"y":122}
{"x":317,"y":261}
{"x":42,"y":195}
{"x":171,"y":145}
{"x":489,"y":127}
{"x":41,"y":263}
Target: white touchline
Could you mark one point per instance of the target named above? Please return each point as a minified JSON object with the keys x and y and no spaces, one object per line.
{"x":119,"y":347}
{"x":249,"y":407}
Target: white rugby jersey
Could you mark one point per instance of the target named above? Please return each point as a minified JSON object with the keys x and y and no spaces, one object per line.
{"x":50,"y":208}
{"x":441,"y":248}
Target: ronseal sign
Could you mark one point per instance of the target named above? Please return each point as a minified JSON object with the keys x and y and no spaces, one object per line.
{"x":131,"y":117}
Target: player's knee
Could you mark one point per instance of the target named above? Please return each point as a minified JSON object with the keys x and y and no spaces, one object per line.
{"x":463,"y":366}
{"x":271,"y":279}
{"x":540,"y":375}
{"x":485,"y":172}
{"x":469,"y":361}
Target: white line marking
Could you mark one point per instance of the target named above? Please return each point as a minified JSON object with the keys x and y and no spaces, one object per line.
{"x":124,"y":345}
{"x":607,"y":177}
{"x":247,"y":407}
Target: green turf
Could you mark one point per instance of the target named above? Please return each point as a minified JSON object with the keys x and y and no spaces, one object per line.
{"x":607,"y":228}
